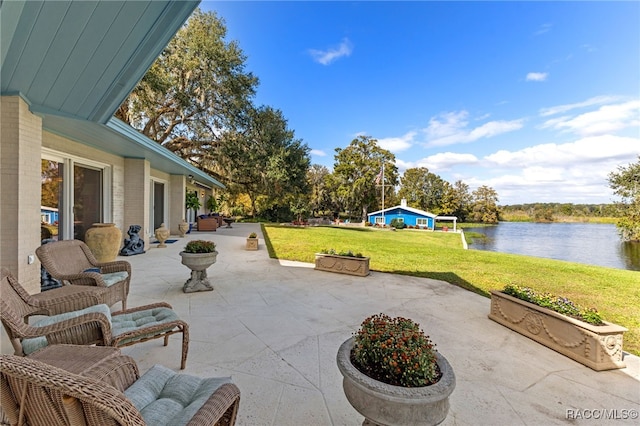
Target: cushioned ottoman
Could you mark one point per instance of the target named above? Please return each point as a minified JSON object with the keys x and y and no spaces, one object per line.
{"x":164,"y":397}
{"x":127,"y":327}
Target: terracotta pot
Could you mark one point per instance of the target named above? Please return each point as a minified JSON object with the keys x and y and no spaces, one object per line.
{"x":384,"y":404}
{"x":104,"y":240}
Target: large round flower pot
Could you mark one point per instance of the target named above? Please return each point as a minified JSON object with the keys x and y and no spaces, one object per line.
{"x":387,"y":405}
{"x":103,"y":239}
{"x":198,"y":263}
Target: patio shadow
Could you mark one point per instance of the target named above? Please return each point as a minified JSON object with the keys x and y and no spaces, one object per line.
{"x":449,"y":277}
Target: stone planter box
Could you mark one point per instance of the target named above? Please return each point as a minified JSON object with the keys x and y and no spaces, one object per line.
{"x":597,"y":347}
{"x":252,"y":244}
{"x":342,"y":264}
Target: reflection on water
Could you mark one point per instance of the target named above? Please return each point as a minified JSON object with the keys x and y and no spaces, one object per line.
{"x":593,"y":244}
{"x":630,"y":253}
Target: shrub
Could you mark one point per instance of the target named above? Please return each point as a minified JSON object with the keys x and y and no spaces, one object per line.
{"x":347,"y":253}
{"x":200,"y":246}
{"x":395,"y":351}
{"x":398,"y":224}
{"x":562,"y":305}
{"x":253,"y":235}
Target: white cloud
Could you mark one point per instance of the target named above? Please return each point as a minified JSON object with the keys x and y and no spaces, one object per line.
{"x":590,"y":150}
{"x":439,"y":162}
{"x":597,"y":100}
{"x":318,"y":153}
{"x":401,"y":143}
{"x":573,"y":172}
{"x":325,"y":57}
{"x":544,"y":28}
{"x":452,"y":128}
{"x":606,"y":119}
{"x":494,"y":128}
{"x":537,"y":76}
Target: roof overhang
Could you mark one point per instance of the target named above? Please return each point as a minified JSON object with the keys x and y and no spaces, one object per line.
{"x":405,"y":208}
{"x":81,"y":59}
{"x":118,"y":138}
{"x":75,"y":61}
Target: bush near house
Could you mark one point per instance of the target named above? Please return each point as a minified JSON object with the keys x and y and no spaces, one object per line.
{"x":398,"y":224}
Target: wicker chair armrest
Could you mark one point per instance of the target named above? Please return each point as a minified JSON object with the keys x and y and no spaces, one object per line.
{"x":220,"y":409}
{"x":83,"y":278}
{"x":72,"y":327}
{"x":46,"y":300}
{"x":147,"y":331}
{"x":94,"y":394}
{"x":143,"y":308}
{"x":115,"y":266}
{"x":119,"y":371}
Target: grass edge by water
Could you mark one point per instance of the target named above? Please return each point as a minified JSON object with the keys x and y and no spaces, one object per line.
{"x":607,"y":289}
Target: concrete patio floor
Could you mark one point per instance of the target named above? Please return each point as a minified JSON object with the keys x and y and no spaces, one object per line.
{"x":275,"y":327}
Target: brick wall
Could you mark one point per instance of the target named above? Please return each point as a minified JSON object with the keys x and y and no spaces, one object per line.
{"x":20,"y":147}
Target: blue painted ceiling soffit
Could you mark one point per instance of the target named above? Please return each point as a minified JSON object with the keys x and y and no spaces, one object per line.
{"x":118,"y":138}
{"x":80,"y":59}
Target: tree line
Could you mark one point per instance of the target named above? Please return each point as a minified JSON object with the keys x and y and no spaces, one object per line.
{"x":197,"y":101}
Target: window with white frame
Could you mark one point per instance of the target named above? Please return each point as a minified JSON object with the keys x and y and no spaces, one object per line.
{"x":380,"y":220}
{"x":78,"y":188}
{"x":421,"y":221}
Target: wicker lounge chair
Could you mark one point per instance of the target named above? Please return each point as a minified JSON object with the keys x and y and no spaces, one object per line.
{"x":55,"y":301}
{"x":92,"y":325}
{"x":41,"y":394}
{"x":71,"y":261}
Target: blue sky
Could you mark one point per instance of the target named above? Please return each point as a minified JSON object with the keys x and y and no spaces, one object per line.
{"x":539,"y":100}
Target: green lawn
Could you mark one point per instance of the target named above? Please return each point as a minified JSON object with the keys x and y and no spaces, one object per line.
{"x":614,"y":292}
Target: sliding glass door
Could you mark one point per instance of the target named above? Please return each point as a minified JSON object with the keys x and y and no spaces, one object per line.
{"x":87,"y":199}
{"x":73,"y":197}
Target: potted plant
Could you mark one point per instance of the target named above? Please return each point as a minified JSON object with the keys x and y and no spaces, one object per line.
{"x":252,"y":241}
{"x":192,"y":202}
{"x":561,"y":325}
{"x":393,"y":374}
{"x":212,"y":204}
{"x":344,"y":262}
{"x":198,"y":255}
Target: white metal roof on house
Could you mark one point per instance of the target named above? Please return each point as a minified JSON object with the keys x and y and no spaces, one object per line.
{"x":404,"y":207}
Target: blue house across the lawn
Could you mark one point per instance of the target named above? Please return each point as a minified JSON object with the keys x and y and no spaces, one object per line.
{"x":408,"y":215}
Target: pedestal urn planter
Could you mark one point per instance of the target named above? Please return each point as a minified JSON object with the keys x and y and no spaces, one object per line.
{"x":597,"y":347}
{"x":358,"y":266}
{"x":183,"y":228}
{"x":104,"y":239}
{"x":198,"y":263}
{"x":386,"y":405}
{"x":162,"y":234}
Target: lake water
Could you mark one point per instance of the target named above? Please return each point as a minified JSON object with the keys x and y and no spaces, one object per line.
{"x":590,"y":243}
